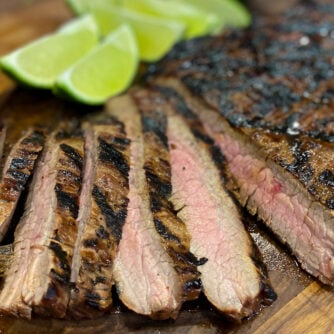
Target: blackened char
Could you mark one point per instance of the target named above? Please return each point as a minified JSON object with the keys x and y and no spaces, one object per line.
{"x":38,"y":278}
{"x":103,"y":210}
{"x":17,"y":171}
{"x":276,"y":75}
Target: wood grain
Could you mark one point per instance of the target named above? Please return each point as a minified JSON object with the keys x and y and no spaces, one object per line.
{"x":310,"y":312}
{"x":303,"y":306}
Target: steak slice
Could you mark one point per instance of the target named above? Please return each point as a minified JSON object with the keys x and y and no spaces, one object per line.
{"x":286,"y":180}
{"x":147,"y":278}
{"x":172,"y":230}
{"x":38,"y":278}
{"x":17,"y":170}
{"x":234,"y":278}
{"x":102,"y":214}
{"x":2,"y":138}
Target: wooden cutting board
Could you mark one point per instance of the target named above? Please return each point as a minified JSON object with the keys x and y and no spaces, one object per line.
{"x":303,"y":305}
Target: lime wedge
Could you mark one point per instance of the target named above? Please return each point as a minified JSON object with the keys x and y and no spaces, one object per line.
{"x":198,"y":22}
{"x":105,"y":71}
{"x":40,"y":62}
{"x":230,"y":13}
{"x":155,"y":36}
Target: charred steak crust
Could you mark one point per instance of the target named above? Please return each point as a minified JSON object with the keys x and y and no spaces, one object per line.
{"x":102,"y":227}
{"x":172,"y":230}
{"x":38,"y":277}
{"x":3,"y":130}
{"x":273,"y":85}
{"x":67,"y":189}
{"x":17,"y":171}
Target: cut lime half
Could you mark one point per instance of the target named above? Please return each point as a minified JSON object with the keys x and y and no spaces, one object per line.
{"x":105,"y":71}
{"x":40,"y":62}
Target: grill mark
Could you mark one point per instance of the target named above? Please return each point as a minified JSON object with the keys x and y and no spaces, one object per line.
{"x":91,"y":243}
{"x":327,"y":178}
{"x":99,"y":279}
{"x":63,"y":260}
{"x":73,"y":155}
{"x":66,"y":200}
{"x":62,"y":278}
{"x":180,"y":106}
{"x":20,"y":177}
{"x":123,"y":142}
{"x":66,"y":175}
{"x":161,"y":187}
{"x":114,"y":220}
{"x":17,"y":171}
{"x":109,"y":154}
{"x":193,"y":285}
{"x":101,"y":233}
{"x":156,"y":126}
{"x":36,"y":139}
{"x":191,"y":259}
{"x":20,"y":163}
{"x":164,"y":231}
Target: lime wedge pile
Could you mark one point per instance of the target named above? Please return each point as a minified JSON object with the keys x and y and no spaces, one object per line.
{"x":96,"y":55}
{"x":40,"y":63}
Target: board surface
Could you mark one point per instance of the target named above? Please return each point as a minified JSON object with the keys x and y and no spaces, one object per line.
{"x":303,"y":305}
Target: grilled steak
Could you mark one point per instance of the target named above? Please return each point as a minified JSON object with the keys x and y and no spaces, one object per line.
{"x":172,"y":230}
{"x":17,"y":170}
{"x":234,"y":280}
{"x":103,"y":210}
{"x":149,"y":278}
{"x":38,"y":277}
{"x":270,"y":92}
{"x":2,"y":138}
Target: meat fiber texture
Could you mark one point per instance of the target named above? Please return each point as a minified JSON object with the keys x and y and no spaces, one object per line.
{"x":153,"y":270}
{"x":102,"y":214}
{"x":266,"y":96}
{"x":37,"y":279}
{"x":18,"y":168}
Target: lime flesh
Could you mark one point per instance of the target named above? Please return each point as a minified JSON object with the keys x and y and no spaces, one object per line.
{"x":39,"y":63}
{"x":230,"y":13}
{"x":155,"y":35}
{"x":106,"y":71}
{"x":198,"y":22}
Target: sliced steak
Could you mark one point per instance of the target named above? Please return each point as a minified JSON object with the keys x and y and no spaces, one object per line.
{"x":102,"y":214}
{"x":172,"y":230}
{"x":17,"y":170}
{"x":147,"y":278}
{"x":273,"y":87}
{"x":234,"y":278}
{"x":38,"y":278}
{"x":286,"y":180}
{"x":2,"y":138}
